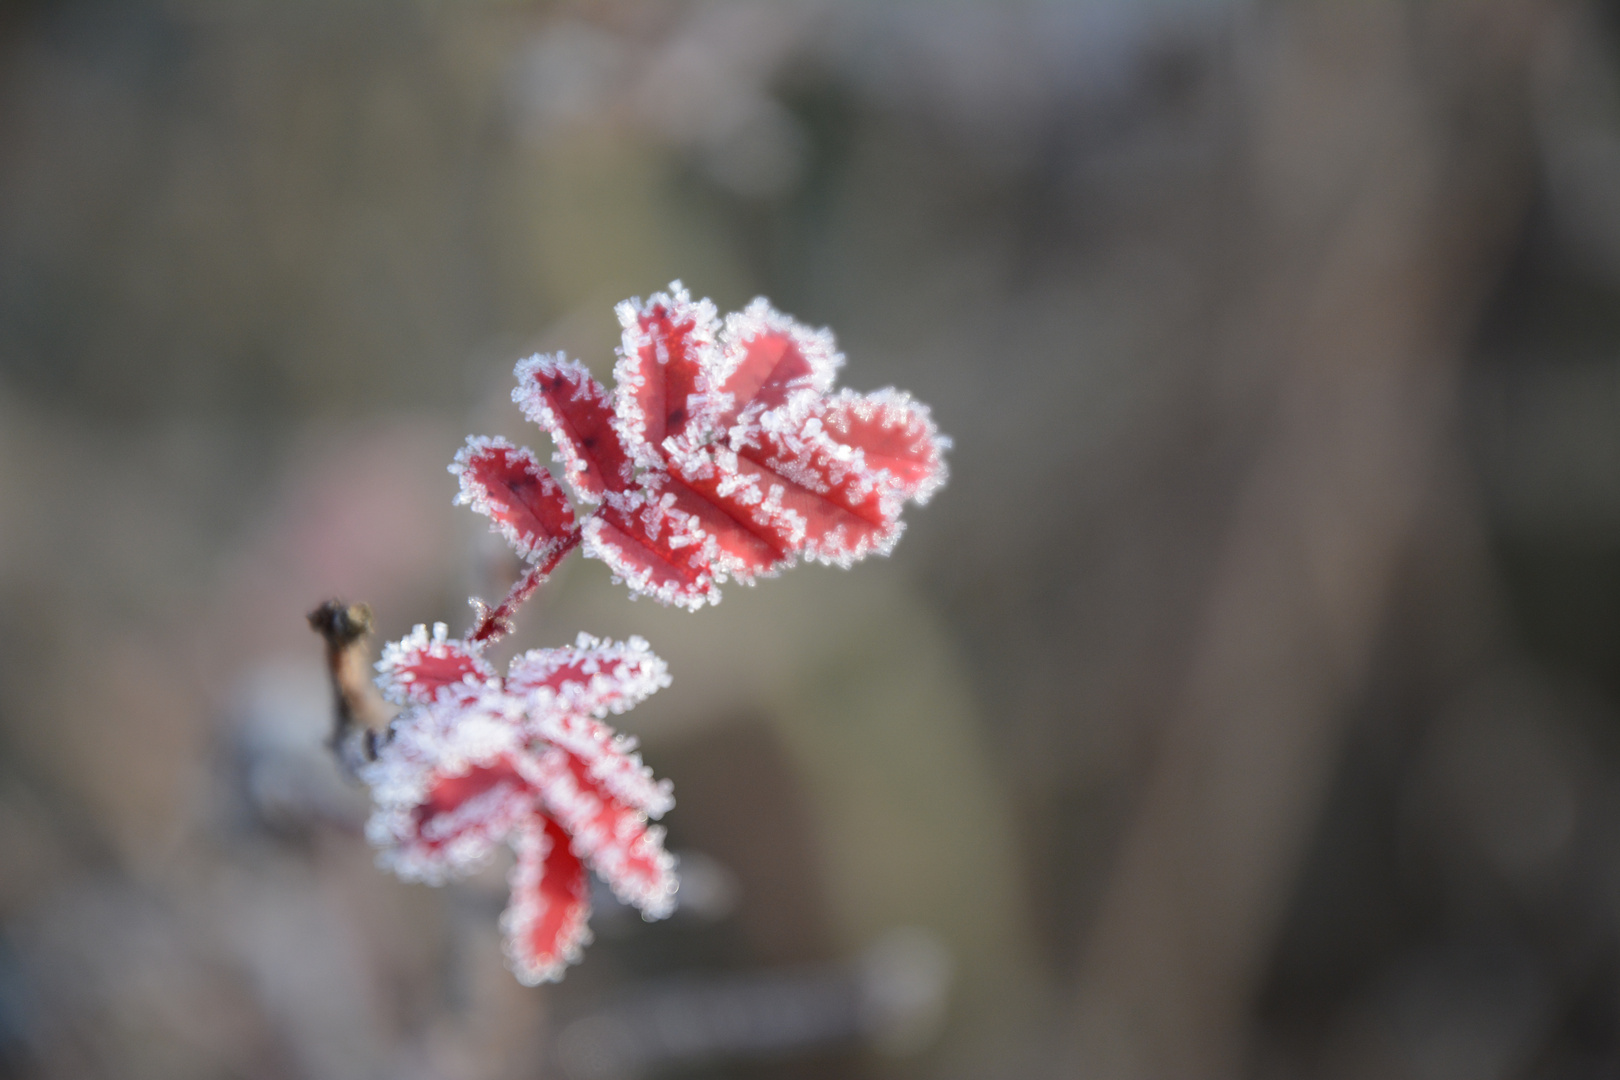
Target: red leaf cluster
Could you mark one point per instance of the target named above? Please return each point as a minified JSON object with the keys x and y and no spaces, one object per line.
{"x":723,"y":452}
{"x":476,"y":759}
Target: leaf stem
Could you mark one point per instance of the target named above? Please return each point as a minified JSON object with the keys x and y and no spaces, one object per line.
{"x":496,"y":622}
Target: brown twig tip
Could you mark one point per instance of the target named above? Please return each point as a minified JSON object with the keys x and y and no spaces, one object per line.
{"x":359,"y":715}
{"x":341,"y":624}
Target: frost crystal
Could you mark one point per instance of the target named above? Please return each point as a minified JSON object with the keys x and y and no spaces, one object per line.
{"x":723,"y":452}
{"x":476,"y":760}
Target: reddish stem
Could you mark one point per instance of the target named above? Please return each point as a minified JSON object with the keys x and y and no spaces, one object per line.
{"x":496,"y":622}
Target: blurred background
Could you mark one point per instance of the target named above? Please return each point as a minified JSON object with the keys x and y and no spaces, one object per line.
{"x":1246,"y":706}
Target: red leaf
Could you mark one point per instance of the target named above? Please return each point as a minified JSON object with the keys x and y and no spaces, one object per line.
{"x":661,"y":377}
{"x":562,"y":397}
{"x":844,"y":510}
{"x":611,"y":761}
{"x":545,"y":921}
{"x":656,"y":550}
{"x":418,"y":669}
{"x":893,"y":433}
{"x":768,"y":361}
{"x":741,"y":547}
{"x":796,"y":497}
{"x":517,"y":493}
{"x":592,"y":677}
{"x":613,"y":836}
{"x":460,"y":822}
{"x":833,"y":485}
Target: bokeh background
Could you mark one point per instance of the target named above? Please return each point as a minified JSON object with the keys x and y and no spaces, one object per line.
{"x":1246,"y":706}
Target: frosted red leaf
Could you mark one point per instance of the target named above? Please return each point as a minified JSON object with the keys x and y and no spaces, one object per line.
{"x":656,"y":548}
{"x":724,"y":452}
{"x":624,"y":850}
{"x":610,"y":760}
{"x":893,"y":434}
{"x":592,"y":677}
{"x":662,"y":383}
{"x":768,"y":362}
{"x":544,"y":924}
{"x":417,"y":668}
{"x":461,"y":821}
{"x":560,"y":396}
{"x":525,"y":760}
{"x":517,"y":494}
